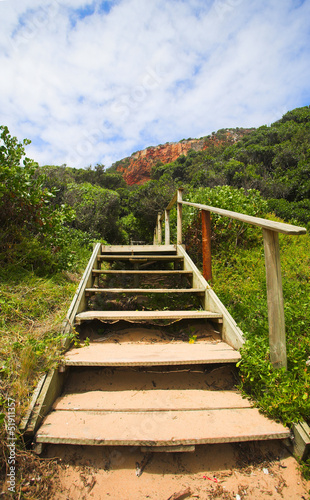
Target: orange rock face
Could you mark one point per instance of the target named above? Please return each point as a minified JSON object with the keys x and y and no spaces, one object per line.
{"x":136,"y":169}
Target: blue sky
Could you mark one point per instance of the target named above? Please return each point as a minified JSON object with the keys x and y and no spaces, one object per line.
{"x":91,"y":82}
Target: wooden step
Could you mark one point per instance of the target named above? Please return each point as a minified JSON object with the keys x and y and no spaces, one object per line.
{"x":141,"y":272}
{"x":158,"y":428}
{"x":139,"y":291}
{"x":145,"y":315}
{"x":151,"y":400}
{"x":172,"y":353}
{"x":136,"y":249}
{"x":141,"y":257}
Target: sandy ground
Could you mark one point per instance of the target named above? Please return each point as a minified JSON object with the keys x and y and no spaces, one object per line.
{"x":230,"y":471}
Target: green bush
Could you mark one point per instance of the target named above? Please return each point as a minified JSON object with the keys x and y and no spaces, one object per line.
{"x":239,"y":280}
{"x":27,"y":216}
{"x":226,"y":233}
{"x":146,"y":201}
{"x":96,"y":210}
{"x":297,"y":212}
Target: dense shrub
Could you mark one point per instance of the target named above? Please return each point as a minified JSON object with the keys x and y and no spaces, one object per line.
{"x":96,"y":210}
{"x":226,"y":233}
{"x":296,"y":212}
{"x":26,"y":212}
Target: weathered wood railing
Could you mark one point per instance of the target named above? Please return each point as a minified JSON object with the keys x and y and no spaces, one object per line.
{"x":277,"y":341}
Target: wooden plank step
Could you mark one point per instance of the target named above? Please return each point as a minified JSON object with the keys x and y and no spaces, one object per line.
{"x":140,"y":258}
{"x":158,"y":428}
{"x":145,"y":315}
{"x":156,"y":354}
{"x":151,"y":400}
{"x":136,"y":249}
{"x":148,"y":272}
{"x":144,"y":290}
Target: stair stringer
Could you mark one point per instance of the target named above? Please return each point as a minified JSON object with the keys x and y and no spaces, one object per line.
{"x":231,"y":333}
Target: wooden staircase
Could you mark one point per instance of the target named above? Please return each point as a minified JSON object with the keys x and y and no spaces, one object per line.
{"x":150,"y":372}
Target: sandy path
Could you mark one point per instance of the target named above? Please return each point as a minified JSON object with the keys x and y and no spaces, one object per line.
{"x":234,"y":471}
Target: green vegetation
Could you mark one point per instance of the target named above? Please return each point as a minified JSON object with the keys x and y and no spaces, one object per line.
{"x":38,"y":246}
{"x":51,"y":215}
{"x":96,"y":210}
{"x":239,"y":280}
{"x":41,"y":256}
{"x":274,"y":160}
{"x":32,"y":310}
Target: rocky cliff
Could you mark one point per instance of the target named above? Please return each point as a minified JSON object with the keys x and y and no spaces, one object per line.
{"x":136,"y":169}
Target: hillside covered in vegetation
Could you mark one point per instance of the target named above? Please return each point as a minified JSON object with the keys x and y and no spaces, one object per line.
{"x":51,"y":215}
{"x":137,"y":169}
{"x":274,"y":160}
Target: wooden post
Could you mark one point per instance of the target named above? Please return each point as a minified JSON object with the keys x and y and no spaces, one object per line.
{"x":159,"y":229}
{"x":155,"y":239}
{"x":167,"y":227}
{"x":179,"y":216}
{"x":206,"y":244}
{"x":277,"y":340}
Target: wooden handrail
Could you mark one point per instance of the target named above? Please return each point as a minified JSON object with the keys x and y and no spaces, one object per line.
{"x":277,"y":341}
{"x":173,"y":201}
{"x":278,"y":227}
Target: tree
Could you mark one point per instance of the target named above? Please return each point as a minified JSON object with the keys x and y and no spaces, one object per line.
{"x":96,"y":210}
{"x":26,"y":212}
{"x":147,"y":200}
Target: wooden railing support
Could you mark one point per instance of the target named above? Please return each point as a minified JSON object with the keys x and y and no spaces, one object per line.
{"x":206,"y":244}
{"x":167,"y":227}
{"x":179,"y":216}
{"x":159,"y":229}
{"x":277,"y":341}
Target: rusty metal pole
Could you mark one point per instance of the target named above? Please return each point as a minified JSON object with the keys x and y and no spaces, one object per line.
{"x":206,"y":244}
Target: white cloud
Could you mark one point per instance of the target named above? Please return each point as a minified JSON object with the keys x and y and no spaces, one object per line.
{"x":90,"y":85}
